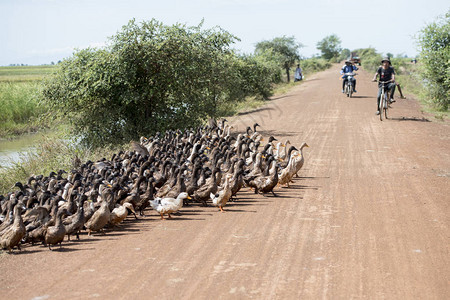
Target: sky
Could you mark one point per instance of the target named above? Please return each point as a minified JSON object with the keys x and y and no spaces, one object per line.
{"x":38,"y":32}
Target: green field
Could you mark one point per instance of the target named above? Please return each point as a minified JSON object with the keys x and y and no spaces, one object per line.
{"x":19,"y":109}
{"x":24,"y":73}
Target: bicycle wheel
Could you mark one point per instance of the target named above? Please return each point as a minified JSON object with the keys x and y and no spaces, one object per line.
{"x":380,"y":106}
{"x":386,"y":105}
{"x":350,"y":90}
{"x":347,"y":90}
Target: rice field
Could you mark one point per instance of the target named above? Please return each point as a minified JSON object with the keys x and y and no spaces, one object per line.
{"x":24,"y":73}
{"x":19,"y":109}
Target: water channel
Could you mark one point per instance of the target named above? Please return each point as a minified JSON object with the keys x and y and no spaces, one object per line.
{"x":12,"y":151}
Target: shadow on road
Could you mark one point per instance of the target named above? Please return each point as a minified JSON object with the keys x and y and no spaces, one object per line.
{"x":254,"y":111}
{"x":410,"y":119}
{"x":361,"y":97}
{"x":278,"y":133}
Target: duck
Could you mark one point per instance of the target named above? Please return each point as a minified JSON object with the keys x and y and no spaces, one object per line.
{"x":168,"y":205}
{"x":300,"y":160}
{"x":12,"y":236}
{"x":120,"y":213}
{"x":37,"y":217}
{"x":221,"y":199}
{"x":210,"y":187}
{"x":283,"y":151}
{"x":256,"y":169}
{"x":101,"y":216}
{"x":145,"y":197}
{"x":280,"y":151}
{"x":55,"y":234}
{"x":237,"y":182}
{"x":192,"y":184}
{"x":285,"y":161}
{"x":74,"y":224}
{"x":288,"y":172}
{"x":266,"y":184}
{"x":179,"y":187}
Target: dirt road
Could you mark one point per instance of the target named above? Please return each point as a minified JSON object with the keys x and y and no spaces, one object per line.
{"x":368,"y":219}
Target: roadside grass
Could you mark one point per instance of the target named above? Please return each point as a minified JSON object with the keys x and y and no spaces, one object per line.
{"x":408,"y":76}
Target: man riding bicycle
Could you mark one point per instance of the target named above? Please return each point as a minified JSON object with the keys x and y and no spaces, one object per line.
{"x":387,"y":75}
{"x":348,"y":68}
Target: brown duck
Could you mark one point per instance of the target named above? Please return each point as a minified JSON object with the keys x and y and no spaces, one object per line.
{"x":101,"y":216}
{"x":74,"y":224}
{"x":55,"y":234}
{"x":15,"y":232}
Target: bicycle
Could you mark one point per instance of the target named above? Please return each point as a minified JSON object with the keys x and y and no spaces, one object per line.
{"x":349,"y":85}
{"x":383,"y":106}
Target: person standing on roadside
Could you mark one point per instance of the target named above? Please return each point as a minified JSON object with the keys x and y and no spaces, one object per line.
{"x":387,"y":75}
{"x":298,"y":73}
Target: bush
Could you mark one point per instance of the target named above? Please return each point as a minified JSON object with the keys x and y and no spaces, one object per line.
{"x":370,"y":59}
{"x":315,"y":64}
{"x":152,"y":78}
{"x":434,"y":41}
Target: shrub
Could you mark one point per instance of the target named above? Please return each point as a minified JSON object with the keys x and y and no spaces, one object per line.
{"x":434,"y":41}
{"x":152,"y":77}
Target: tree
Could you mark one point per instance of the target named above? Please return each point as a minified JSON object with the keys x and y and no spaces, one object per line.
{"x":434,"y":41}
{"x":330,"y":46}
{"x":284,"y":50}
{"x":345,"y":54}
{"x":151,"y":77}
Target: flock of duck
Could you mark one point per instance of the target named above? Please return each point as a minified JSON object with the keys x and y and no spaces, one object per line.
{"x":204,"y":166}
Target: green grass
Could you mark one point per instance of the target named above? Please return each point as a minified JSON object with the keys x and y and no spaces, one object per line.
{"x":408,"y":75}
{"x":19,"y":109}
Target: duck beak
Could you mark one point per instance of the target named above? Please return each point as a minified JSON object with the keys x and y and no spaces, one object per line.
{"x":189,"y":198}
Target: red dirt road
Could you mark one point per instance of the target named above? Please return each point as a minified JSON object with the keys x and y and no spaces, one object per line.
{"x":368,"y":219}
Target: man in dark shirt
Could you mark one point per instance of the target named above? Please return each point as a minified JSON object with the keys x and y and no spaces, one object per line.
{"x":387,"y":74}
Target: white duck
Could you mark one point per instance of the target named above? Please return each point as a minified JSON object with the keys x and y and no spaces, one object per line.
{"x":120,"y":213}
{"x":280,"y":149}
{"x":168,"y":205}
